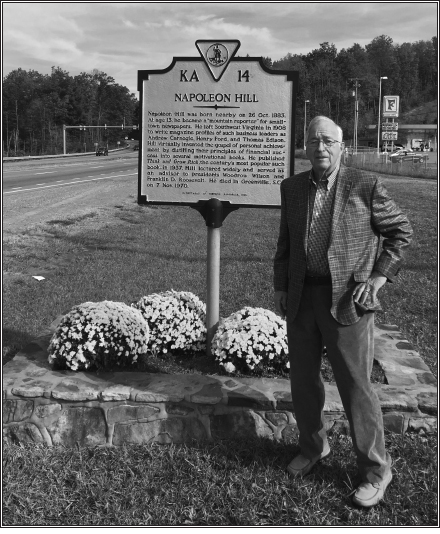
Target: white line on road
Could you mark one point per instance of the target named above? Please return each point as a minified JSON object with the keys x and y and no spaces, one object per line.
{"x":99,"y":166}
{"x":69,"y":183}
{"x":48,"y":172}
{"x":17,"y":187}
{"x":42,"y":183}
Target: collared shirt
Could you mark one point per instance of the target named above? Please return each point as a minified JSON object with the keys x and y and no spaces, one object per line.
{"x":321,"y":199}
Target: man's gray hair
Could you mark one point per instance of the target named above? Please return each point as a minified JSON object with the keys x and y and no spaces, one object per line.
{"x":323,"y":118}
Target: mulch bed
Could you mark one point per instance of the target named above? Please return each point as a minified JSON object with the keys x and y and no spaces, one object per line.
{"x":200,"y":363}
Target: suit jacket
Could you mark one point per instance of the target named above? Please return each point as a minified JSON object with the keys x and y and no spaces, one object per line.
{"x":362,"y":212}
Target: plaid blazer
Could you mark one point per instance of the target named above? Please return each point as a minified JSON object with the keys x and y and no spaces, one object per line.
{"x":362,"y":212}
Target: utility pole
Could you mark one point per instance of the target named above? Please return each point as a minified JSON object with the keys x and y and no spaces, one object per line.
{"x":356,"y":111}
{"x":378,"y":120}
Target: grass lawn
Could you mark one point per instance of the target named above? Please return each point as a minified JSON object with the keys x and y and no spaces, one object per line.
{"x":124,"y":252}
{"x":239,"y":483}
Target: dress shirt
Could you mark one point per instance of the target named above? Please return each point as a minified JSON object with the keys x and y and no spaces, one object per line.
{"x":321,"y":199}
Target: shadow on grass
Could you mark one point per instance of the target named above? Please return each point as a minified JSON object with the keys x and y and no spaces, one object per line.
{"x":94,"y":244}
{"x":12,"y":342}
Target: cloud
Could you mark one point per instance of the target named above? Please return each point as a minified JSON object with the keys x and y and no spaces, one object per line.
{"x":121,"y":38}
{"x":128,"y":24}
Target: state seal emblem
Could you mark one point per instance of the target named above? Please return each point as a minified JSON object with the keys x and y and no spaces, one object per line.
{"x":217,"y":55}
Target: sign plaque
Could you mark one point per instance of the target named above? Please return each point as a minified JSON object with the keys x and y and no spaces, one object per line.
{"x":216,"y":126}
{"x":389,"y":136}
{"x":390,"y":126}
{"x":390,"y":106}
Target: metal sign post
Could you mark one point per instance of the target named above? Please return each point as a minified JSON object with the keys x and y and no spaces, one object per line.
{"x":390,"y":111}
{"x":216,"y":134}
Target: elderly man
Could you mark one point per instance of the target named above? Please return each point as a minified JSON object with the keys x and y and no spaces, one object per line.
{"x":328,"y":268}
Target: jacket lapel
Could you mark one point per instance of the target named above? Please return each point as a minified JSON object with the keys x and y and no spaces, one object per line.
{"x":343,"y":189}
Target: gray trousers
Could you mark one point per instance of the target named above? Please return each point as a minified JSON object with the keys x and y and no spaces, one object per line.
{"x":350,"y":350}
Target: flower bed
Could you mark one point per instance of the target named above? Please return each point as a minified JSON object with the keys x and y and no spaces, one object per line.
{"x":166,"y":333}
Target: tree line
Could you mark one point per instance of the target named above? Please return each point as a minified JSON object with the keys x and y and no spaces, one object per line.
{"x":36,"y":106}
{"x":327,"y":77}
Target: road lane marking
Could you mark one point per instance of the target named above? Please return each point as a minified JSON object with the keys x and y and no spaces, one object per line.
{"x":18,"y":187}
{"x":68,"y":183}
{"x":48,"y":172}
{"x":41,"y":184}
{"x":98,"y":167}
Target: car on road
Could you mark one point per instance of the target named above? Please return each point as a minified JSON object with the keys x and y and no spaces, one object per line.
{"x":409,"y":156}
{"x":136,"y":147}
{"x":102,"y":151}
{"x":401,"y":152}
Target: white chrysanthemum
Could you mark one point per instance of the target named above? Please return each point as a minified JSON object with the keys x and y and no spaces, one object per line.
{"x":96,"y":334}
{"x":229,"y":367}
{"x":252,"y":339}
{"x":176,"y":321}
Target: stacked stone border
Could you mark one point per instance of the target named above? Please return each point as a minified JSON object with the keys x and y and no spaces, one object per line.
{"x":69,"y":408}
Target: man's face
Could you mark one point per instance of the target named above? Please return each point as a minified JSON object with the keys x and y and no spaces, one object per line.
{"x":323,"y":158}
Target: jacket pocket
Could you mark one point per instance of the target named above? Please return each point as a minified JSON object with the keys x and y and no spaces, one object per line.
{"x":361,"y":276}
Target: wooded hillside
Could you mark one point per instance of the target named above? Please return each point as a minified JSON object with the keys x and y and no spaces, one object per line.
{"x":324,"y":80}
{"x":36,"y":106}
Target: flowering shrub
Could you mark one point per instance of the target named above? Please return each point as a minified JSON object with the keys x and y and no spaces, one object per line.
{"x":176,"y":321}
{"x":99,"y":334}
{"x":252,"y":340}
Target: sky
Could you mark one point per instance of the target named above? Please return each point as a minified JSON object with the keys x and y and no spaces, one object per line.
{"x":120,"y":38}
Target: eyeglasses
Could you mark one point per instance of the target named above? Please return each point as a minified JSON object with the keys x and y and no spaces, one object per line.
{"x":326,"y":142}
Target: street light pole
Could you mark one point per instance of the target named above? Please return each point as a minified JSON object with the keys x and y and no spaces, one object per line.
{"x":305,"y":121}
{"x":356,"y":112}
{"x":378,"y":120}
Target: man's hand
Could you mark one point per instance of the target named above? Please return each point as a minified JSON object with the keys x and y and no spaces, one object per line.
{"x":369,"y":289}
{"x":280,"y":298}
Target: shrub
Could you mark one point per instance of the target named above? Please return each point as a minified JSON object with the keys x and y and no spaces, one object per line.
{"x":252,"y":340}
{"x":99,"y":334}
{"x":176,"y":321}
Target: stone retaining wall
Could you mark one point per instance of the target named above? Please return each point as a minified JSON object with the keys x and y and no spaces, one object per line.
{"x":87,"y":408}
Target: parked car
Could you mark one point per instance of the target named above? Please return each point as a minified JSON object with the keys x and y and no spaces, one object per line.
{"x":136,"y":147}
{"x":102,"y":151}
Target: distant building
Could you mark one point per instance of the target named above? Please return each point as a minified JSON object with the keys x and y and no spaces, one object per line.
{"x":409,"y":136}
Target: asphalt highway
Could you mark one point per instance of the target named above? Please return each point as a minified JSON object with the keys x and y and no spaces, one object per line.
{"x":22,"y":177}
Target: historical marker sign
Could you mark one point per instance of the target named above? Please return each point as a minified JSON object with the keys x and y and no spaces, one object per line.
{"x":216,"y":126}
